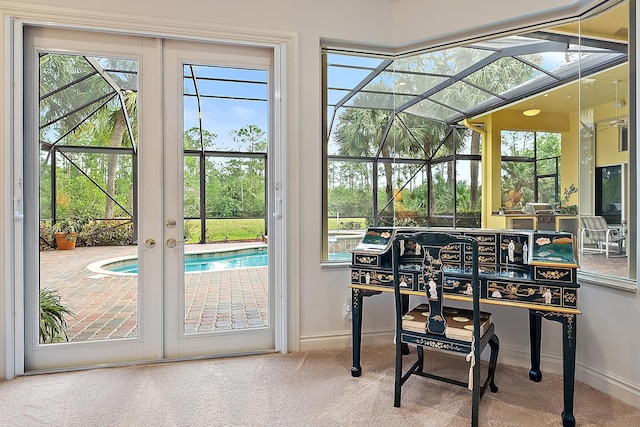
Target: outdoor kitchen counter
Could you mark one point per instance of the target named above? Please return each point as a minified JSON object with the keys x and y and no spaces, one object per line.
{"x":523,"y":221}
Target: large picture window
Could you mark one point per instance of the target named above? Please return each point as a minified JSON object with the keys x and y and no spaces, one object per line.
{"x":451,"y":137}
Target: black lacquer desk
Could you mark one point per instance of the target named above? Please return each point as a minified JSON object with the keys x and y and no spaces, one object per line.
{"x":546,"y":289}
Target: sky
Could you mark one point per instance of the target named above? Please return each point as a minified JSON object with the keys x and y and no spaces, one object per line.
{"x":231,"y":98}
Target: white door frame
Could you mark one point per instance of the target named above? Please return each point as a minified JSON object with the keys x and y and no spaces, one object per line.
{"x":284,"y":155}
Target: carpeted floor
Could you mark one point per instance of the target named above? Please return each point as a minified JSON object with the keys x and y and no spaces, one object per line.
{"x":304,"y":389}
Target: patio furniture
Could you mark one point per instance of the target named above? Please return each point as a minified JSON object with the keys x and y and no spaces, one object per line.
{"x":595,"y":231}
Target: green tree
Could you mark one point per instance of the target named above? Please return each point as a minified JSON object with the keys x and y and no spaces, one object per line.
{"x":366,"y":131}
{"x":235,"y":186}
{"x":84,"y":105}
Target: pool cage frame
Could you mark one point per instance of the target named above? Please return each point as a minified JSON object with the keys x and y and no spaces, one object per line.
{"x":117,"y":93}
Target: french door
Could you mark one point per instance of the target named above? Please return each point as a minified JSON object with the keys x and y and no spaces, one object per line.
{"x":202,"y":78}
{"x":105,"y":119}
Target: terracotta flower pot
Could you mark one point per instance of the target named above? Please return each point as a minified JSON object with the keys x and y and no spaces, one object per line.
{"x":65,"y":241}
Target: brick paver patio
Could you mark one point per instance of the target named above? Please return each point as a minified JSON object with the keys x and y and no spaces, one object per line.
{"x":105,"y":306}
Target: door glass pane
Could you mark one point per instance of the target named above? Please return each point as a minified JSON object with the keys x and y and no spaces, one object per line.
{"x":88,"y":134}
{"x":225,"y":169}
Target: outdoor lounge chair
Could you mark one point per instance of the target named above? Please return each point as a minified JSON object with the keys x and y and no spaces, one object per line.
{"x":597,"y":236}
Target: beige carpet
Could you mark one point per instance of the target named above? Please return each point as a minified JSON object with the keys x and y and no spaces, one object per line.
{"x":305,"y":389}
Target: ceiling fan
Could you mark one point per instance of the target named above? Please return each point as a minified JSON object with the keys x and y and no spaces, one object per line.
{"x":618,"y":121}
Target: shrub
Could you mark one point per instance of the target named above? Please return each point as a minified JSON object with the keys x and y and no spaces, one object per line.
{"x":107,"y":233}
{"x":53,"y":324}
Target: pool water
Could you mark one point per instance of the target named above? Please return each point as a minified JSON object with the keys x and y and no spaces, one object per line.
{"x":212,"y":261}
{"x":194,"y":263}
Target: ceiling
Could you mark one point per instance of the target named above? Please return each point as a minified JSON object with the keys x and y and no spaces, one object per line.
{"x":513,"y":72}
{"x":604,"y":88}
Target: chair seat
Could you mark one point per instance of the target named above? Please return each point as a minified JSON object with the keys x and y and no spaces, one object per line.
{"x":459,"y":322}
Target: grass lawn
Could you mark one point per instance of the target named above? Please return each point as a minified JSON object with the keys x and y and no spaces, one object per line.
{"x":220,"y":230}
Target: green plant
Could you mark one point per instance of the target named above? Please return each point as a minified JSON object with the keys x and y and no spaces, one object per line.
{"x":564,"y":206}
{"x":69,"y":226}
{"x":107,"y":233}
{"x":53,"y":323}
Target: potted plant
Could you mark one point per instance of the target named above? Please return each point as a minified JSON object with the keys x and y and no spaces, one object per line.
{"x":66,"y":232}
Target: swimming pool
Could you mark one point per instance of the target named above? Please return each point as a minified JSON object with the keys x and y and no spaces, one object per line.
{"x":193,"y":262}
{"x":196,"y":262}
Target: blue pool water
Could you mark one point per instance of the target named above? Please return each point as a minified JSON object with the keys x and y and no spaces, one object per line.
{"x":213,"y":261}
{"x":194,"y":263}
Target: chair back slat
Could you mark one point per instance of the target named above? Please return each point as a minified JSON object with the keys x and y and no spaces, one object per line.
{"x":427,"y":250}
{"x":596,"y":227}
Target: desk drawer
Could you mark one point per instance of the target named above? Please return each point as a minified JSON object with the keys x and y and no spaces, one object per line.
{"x":372,"y":277}
{"x":365,"y":276}
{"x":370,"y":260}
{"x":557,"y":275}
{"x":530,"y":293}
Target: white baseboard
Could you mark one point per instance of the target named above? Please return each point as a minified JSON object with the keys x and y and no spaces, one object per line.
{"x":608,"y":383}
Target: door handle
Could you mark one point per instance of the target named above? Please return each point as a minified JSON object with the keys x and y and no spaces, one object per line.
{"x":171,"y":242}
{"x":149,"y":243}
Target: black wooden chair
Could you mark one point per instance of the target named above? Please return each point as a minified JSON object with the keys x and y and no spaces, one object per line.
{"x":435,"y":326}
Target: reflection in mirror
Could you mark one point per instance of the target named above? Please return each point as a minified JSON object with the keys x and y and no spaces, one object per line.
{"x":463,"y":121}
{"x":605,"y":158}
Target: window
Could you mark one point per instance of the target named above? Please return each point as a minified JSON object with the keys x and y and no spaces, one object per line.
{"x":386,"y":168}
{"x":402,"y":134}
{"x":530,"y":168}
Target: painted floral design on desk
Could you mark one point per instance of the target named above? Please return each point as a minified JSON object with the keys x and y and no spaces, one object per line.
{"x":555,"y":249}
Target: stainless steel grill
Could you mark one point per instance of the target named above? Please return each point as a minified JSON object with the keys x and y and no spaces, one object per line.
{"x":546,"y":217}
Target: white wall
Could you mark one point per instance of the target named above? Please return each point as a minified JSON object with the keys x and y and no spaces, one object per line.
{"x":607,"y":339}
{"x":460,"y":18}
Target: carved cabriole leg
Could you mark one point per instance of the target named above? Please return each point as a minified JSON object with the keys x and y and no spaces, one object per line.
{"x":494,"y":343}
{"x":568,"y":321}
{"x":357,"y":296}
{"x":535,"y":337}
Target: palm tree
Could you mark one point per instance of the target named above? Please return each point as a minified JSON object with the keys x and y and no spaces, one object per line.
{"x":82,"y":104}
{"x":360,"y":133}
{"x":117,"y":123}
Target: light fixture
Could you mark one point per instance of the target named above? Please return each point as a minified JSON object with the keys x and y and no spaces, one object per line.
{"x":531,"y":112}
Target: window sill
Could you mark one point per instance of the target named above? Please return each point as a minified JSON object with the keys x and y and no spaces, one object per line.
{"x":334,"y":264}
{"x":619,"y":283}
